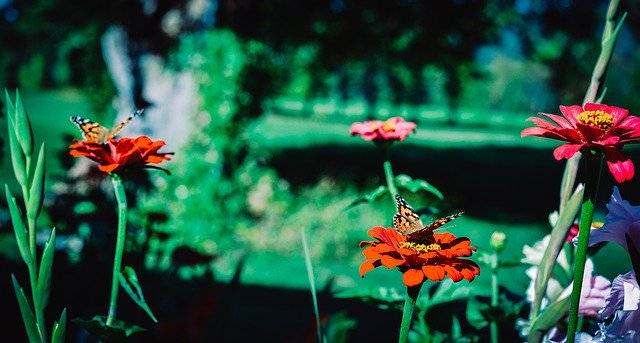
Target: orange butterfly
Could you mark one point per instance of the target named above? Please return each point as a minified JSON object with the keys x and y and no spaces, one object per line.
{"x":96,"y":133}
{"x":408,"y":222}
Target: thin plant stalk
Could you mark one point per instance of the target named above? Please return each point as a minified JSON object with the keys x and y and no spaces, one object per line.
{"x":121,"y":199}
{"x":407,"y":312}
{"x":593,"y":168}
{"x":493,"y":325}
{"x":312,"y":284}
{"x":388,"y":174}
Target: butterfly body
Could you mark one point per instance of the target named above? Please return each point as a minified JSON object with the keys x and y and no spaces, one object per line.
{"x":96,"y":133}
{"x":408,"y":222}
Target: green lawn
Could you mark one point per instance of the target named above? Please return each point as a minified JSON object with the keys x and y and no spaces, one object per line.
{"x":276,"y":132}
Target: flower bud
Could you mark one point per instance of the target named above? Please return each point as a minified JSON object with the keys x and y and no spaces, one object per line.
{"x":498,"y":239}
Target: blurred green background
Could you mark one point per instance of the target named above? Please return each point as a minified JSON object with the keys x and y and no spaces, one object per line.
{"x":262,"y":145}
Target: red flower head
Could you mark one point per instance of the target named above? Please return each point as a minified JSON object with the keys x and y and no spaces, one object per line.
{"x":393,"y":129}
{"x":118,"y":154}
{"x":433,"y":258}
{"x":594,"y":126}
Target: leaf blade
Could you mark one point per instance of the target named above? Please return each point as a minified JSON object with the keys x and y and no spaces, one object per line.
{"x":131,"y":279}
{"x":558,"y":234}
{"x":19,"y":228}
{"x":36,"y":191}
{"x":23,"y":129}
{"x":28,"y":318}
{"x":44,"y":274}
{"x":415,"y":185}
{"x":369,"y":197}
{"x":59,"y":328}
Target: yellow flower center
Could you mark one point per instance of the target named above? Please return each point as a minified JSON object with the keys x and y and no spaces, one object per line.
{"x":599,"y":119}
{"x":388,"y":126}
{"x":419,"y":247}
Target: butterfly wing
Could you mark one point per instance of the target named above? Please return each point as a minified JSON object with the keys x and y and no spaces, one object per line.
{"x":406,"y":220}
{"x":426,"y":234}
{"x":122,"y":124}
{"x":92,"y":131}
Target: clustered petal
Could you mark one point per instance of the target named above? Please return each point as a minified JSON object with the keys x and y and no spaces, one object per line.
{"x":594,"y":126}
{"x":419,"y":262}
{"x":117,"y":154}
{"x":393,"y":129}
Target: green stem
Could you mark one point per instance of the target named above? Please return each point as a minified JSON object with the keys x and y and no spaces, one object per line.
{"x":33,"y":268}
{"x":593,"y":167}
{"x":494,"y":297}
{"x":388,"y":174}
{"x":117,"y":259}
{"x":407,"y":312}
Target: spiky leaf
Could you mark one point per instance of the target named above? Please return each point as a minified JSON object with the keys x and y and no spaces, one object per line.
{"x":28,"y":318}
{"x":19,"y":229}
{"x":128,"y":278}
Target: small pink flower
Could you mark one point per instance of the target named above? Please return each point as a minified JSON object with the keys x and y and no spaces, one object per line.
{"x":594,"y":126}
{"x":393,"y":129}
{"x":573,"y":233}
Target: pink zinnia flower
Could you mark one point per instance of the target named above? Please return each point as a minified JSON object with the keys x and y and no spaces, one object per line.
{"x":594,"y":126}
{"x":393,"y":129}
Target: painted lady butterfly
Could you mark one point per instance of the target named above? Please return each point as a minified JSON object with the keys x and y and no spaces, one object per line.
{"x":408,"y":222}
{"x":96,"y":133}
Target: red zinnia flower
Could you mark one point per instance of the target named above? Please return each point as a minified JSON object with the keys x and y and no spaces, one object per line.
{"x":393,"y":129}
{"x":117,"y":154}
{"x":594,"y":126}
{"x":417,"y":260}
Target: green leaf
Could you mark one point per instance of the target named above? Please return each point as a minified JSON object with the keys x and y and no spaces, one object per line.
{"x":19,"y":229}
{"x":475,"y":316}
{"x":59,"y":328}
{"x":449,"y":291}
{"x":23,"y":127}
{"x":406,"y":182}
{"x":9,"y":108}
{"x":550,"y":317}
{"x":383,"y":297}
{"x":129,"y":278}
{"x":27,"y":314}
{"x":118,"y":331}
{"x":37,"y":187}
{"x":44,"y":274}
{"x":565,"y":220}
{"x":369,"y":197}
{"x":17,"y":156}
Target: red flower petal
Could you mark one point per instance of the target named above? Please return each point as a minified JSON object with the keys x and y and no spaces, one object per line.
{"x":566,"y":151}
{"x":621,"y":170}
{"x":390,"y":262}
{"x":371,"y":252}
{"x":560,"y":120}
{"x":412,"y":277}
{"x":365,"y":267}
{"x":453,"y":273}
{"x":571,"y":112}
{"x":433,"y":273}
